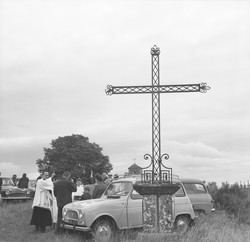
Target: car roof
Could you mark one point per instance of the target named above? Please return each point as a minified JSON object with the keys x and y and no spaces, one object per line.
{"x":191,"y":180}
{"x":176,"y":179}
{"x":127,"y":179}
{"x":137,"y":180}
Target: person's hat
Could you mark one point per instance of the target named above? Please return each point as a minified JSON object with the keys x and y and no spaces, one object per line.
{"x":79,"y":179}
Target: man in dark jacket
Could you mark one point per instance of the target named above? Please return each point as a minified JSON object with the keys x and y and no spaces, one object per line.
{"x":100,"y":186}
{"x":23,"y":182}
{"x":63,"y":192}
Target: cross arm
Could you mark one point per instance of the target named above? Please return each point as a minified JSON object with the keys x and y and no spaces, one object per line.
{"x":202,"y":87}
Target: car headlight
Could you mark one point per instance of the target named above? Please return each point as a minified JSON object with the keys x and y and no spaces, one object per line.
{"x":81,"y":220}
{"x":81,"y":213}
{"x":64,"y":211}
{"x":7,"y":192}
{"x":28,"y":192}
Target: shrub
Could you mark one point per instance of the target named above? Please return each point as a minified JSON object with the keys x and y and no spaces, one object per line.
{"x":233,"y":199}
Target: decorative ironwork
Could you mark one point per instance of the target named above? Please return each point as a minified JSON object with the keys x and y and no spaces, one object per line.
{"x":112,"y":90}
{"x":158,"y":173}
{"x":155,"y":50}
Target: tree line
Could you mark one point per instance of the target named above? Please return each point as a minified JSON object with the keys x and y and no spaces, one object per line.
{"x":234,"y":199}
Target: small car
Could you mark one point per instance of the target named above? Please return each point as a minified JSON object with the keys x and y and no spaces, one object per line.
{"x":199,"y":196}
{"x":119,"y":208}
{"x":11,"y":192}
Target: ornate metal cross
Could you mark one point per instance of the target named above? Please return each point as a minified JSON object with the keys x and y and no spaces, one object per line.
{"x":156,"y":175}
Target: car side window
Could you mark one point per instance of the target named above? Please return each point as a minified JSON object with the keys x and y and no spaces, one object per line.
{"x":194,"y":188}
{"x":180,"y":192}
{"x":135,"y":195}
{"x":199,"y":188}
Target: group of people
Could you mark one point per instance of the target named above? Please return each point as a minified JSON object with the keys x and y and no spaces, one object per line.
{"x":23,"y":182}
{"x":50,"y":197}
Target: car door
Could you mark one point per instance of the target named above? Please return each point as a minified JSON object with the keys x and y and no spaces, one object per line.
{"x":199,"y":197}
{"x":134,"y":209}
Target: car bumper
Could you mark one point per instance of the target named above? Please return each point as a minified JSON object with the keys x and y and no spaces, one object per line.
{"x":16,"y":198}
{"x":75,"y":227}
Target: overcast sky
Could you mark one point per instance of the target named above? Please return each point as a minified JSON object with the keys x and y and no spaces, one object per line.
{"x":57,"y":57}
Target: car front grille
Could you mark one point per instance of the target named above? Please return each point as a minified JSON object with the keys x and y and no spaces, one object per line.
{"x":72,"y":215}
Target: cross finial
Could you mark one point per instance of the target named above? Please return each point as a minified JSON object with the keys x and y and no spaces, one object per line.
{"x":204,"y":87}
{"x":155,"y":50}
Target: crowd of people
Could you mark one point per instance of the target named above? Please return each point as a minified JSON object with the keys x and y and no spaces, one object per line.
{"x":51,"y":196}
{"x":23,"y":182}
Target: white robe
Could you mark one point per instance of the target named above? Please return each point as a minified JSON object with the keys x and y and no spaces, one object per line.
{"x":45,"y":199}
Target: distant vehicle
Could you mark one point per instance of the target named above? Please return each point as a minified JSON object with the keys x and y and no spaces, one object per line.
{"x":199,"y":196}
{"x":120,"y":207}
{"x":11,"y":192}
{"x":32,"y":183}
{"x":32,"y":187}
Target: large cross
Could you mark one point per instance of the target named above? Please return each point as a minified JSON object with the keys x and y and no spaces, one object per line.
{"x":156,"y":89}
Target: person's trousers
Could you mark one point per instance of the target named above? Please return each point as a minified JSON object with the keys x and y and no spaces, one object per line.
{"x":59,"y":219}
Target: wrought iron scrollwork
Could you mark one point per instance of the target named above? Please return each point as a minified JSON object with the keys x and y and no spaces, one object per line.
{"x":146,"y":157}
{"x":165,"y":156}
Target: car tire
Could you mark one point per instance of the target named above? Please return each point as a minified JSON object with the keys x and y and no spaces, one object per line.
{"x":104,"y":230}
{"x":182,"y":224}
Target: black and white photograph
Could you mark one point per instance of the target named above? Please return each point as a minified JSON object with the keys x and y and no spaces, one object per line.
{"x":124,"y":120}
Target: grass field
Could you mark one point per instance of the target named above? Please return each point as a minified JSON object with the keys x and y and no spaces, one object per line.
{"x":15,"y":219}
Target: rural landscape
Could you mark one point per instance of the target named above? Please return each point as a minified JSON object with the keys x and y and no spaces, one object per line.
{"x":124,"y":121}
{"x":229,"y":223}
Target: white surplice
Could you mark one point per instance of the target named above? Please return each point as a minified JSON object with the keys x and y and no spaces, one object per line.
{"x":44,"y":197}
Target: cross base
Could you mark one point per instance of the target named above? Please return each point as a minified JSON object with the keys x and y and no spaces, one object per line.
{"x":157,"y":206}
{"x":157,"y":213}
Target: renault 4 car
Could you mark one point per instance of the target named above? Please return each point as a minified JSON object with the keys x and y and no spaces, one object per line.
{"x":11,"y":192}
{"x":120,"y":207}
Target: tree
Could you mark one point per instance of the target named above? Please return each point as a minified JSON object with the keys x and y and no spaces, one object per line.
{"x":75,"y":154}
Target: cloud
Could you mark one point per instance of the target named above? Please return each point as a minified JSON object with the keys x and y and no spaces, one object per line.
{"x":5,"y":167}
{"x":56,"y":61}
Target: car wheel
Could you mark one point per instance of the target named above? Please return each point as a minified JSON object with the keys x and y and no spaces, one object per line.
{"x":182,"y":224}
{"x":104,"y":230}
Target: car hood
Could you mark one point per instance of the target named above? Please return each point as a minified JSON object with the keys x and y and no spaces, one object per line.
{"x":14,"y":189}
{"x":94,"y":204}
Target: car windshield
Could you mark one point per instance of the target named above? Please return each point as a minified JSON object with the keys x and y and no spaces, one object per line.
{"x":7,"y":182}
{"x":118,"y":189}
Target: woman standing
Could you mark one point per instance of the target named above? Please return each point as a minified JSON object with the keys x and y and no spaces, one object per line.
{"x":42,"y":215}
